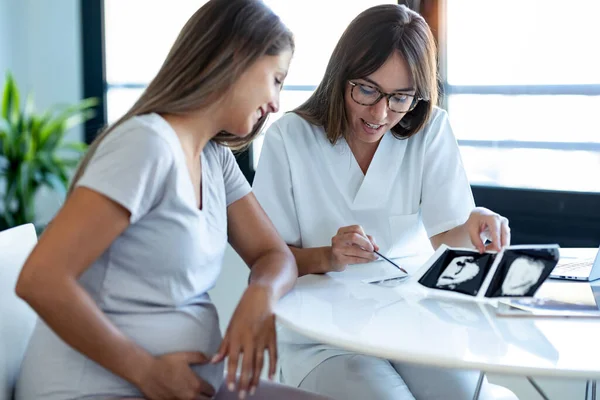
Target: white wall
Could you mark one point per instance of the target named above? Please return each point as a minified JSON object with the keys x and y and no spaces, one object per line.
{"x":5,"y":48}
{"x":40,"y":44}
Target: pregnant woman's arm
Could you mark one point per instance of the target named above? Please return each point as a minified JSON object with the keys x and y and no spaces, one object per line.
{"x":85,"y":227}
{"x":273,"y":273}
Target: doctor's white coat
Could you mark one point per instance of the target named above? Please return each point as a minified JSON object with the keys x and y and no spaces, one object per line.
{"x":310,"y":188}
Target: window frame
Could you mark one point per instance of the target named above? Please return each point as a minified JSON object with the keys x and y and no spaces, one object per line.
{"x":571,"y":219}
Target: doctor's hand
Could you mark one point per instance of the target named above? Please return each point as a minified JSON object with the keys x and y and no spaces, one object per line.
{"x":351,"y":245}
{"x":484,"y":224}
{"x":250,"y":332}
{"x":169,"y":377}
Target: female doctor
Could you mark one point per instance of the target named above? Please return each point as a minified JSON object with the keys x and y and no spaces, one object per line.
{"x":358,"y":167}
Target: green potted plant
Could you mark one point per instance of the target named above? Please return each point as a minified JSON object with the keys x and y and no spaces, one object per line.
{"x":33,"y":153}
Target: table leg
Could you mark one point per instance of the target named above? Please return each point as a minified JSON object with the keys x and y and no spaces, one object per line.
{"x":537,"y":388}
{"x":587,"y":390}
{"x":479,"y":384}
{"x":593,"y":390}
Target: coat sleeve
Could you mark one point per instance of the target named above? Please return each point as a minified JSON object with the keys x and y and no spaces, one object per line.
{"x":446,"y":197}
{"x":273,"y":186}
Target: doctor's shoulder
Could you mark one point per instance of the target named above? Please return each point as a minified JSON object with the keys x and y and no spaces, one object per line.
{"x":294,"y":128}
{"x":437,"y":124}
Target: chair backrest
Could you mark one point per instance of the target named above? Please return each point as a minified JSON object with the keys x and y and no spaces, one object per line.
{"x":17,"y":319}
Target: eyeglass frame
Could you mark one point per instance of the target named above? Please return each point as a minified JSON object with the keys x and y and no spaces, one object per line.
{"x":383,"y":94}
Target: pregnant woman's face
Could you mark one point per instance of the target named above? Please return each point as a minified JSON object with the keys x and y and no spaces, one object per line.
{"x":459,"y":270}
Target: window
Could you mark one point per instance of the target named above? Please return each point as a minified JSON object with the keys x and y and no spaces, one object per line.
{"x":136,"y":44}
{"x":523,"y":91}
{"x":521,"y":78}
{"x":128,"y":71}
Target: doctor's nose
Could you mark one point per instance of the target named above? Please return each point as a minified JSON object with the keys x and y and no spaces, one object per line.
{"x":379,"y":110}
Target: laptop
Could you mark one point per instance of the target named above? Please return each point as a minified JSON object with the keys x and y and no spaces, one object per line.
{"x":578,"y":268}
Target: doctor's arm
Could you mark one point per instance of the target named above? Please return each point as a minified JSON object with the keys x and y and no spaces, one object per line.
{"x":273,"y":272}
{"x":447,"y":198}
{"x":350,"y":245}
{"x":482,"y":225}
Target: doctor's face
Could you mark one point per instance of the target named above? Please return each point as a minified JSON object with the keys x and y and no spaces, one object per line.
{"x":368,"y":123}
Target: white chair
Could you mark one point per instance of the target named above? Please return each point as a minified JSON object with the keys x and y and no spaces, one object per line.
{"x":17,"y":321}
{"x":16,"y":318}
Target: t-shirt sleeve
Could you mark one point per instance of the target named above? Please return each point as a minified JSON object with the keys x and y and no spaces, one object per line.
{"x":446,"y":199}
{"x":236,"y":185}
{"x":130,"y":167}
{"x":273,"y":187}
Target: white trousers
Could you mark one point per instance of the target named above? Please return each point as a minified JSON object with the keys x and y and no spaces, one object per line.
{"x":360,"y":377}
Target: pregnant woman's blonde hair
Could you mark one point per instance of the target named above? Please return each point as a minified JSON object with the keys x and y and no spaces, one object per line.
{"x":217,"y":44}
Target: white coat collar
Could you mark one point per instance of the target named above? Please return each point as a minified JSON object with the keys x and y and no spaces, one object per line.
{"x":370,"y":190}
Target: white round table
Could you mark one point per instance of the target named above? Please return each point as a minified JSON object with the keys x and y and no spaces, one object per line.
{"x":396,"y":323}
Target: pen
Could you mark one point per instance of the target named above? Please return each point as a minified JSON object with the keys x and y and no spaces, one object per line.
{"x":391,"y":262}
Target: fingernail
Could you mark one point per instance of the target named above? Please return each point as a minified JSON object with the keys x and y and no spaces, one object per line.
{"x":242,"y":395}
{"x":231,"y":387}
{"x":252,"y":391}
{"x":215,"y":358}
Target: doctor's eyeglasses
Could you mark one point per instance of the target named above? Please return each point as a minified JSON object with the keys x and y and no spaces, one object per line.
{"x":367,"y":95}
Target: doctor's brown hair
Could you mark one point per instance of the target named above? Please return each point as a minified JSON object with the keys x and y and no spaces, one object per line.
{"x":367,"y":43}
{"x":214,"y":48}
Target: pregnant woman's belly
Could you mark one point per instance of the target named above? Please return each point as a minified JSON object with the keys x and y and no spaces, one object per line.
{"x":53,"y":370}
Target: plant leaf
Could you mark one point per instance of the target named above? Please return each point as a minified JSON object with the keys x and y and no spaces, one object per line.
{"x":32,"y":151}
{"x":10,"y":99}
{"x":78,"y":147}
{"x":71,"y":163}
{"x":29,"y":106}
{"x":10,"y":195}
{"x":8,"y":142}
{"x":37,"y":122}
{"x":61,"y":170}
{"x":4,"y":223}
{"x":51,"y":165}
{"x":55,"y":183}
{"x":4,"y":131}
{"x":4,"y":125}
{"x":25,"y":187}
{"x":52,"y":133}
{"x":9,"y":219}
